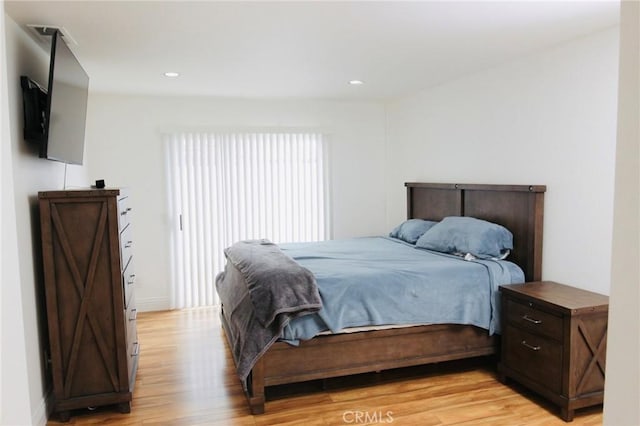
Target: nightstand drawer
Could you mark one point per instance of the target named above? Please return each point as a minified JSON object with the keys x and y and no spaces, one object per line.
{"x":538,"y":358}
{"x":529,"y":317}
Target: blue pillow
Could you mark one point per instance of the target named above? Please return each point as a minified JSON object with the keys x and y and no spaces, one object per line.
{"x":462,"y":235}
{"x":411,"y":230}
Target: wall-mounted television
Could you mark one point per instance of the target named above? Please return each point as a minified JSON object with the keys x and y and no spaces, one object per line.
{"x":59,"y":128}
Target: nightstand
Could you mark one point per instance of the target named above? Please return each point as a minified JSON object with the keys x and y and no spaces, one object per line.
{"x":554,"y":340}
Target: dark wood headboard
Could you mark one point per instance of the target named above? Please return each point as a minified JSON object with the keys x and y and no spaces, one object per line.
{"x":519,"y":208}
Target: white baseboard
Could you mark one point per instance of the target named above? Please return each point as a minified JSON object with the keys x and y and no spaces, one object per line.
{"x":152,"y":304}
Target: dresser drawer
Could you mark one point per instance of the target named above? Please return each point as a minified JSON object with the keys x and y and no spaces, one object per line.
{"x":128,"y":281}
{"x":534,"y":356}
{"x":133,"y":348}
{"x":131,"y":316}
{"x":531,"y":318}
{"x":126,"y":245}
{"x":133,"y":351}
{"x":124,"y":212}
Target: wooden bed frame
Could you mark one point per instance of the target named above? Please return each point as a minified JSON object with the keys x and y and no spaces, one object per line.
{"x":517,"y":207}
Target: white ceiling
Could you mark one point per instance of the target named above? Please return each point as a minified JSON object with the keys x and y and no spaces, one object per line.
{"x":305,"y":49}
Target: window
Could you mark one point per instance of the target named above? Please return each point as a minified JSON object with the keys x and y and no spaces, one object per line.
{"x":226,"y":187}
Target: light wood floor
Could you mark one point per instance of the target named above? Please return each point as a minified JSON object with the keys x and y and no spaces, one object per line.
{"x":186,"y":377}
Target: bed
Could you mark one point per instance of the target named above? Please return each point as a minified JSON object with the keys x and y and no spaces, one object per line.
{"x":519,"y":208}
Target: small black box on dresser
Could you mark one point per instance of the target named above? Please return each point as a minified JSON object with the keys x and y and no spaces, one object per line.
{"x":554,"y":340}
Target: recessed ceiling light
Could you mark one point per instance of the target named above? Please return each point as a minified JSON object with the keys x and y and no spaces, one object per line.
{"x":356,"y":82}
{"x":171,"y":74}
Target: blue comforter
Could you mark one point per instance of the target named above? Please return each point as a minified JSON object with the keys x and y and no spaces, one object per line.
{"x":382,"y":281}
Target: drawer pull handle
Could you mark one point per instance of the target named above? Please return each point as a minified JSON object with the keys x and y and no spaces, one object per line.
{"x":128,"y":244}
{"x":533,"y":348}
{"x":136,"y":349}
{"x":532,"y":320}
{"x":133,"y":315}
{"x":132,"y":279}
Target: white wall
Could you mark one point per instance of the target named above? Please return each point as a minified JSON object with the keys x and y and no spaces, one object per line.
{"x":14,"y":390}
{"x":622,"y":388}
{"x":24,"y":174}
{"x":126,"y":149}
{"x":548,"y":119}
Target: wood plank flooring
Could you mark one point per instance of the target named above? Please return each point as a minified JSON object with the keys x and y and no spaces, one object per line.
{"x":186,"y":377}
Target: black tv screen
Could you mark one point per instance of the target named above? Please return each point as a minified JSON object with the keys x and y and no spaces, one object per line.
{"x":66,"y":105}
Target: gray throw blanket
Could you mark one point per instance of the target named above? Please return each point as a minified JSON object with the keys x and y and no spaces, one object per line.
{"x":261,"y":290}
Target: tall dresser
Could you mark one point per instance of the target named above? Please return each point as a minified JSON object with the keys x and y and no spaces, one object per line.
{"x":89,"y":279}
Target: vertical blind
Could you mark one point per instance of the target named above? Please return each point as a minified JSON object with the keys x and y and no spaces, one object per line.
{"x":226,"y":187}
